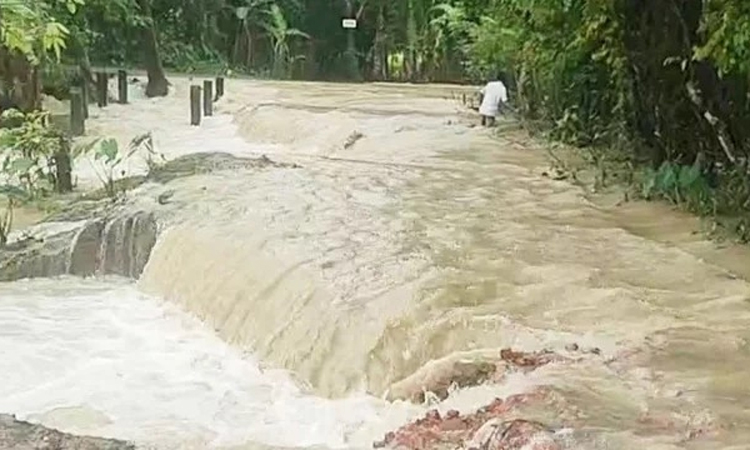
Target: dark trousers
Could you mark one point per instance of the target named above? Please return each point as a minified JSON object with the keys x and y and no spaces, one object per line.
{"x":488,"y":121}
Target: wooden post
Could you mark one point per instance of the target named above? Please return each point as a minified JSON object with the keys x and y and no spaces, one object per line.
{"x":83,"y":83}
{"x":463,"y":98}
{"x":195,"y":105}
{"x":85,"y":96}
{"x":77,"y":119}
{"x":63,"y":167}
{"x":122,"y":86}
{"x":219,"y":87}
{"x":208,"y":98}
{"x":102,"y":85}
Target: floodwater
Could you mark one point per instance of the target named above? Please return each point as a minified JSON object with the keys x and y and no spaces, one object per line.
{"x":280,"y":304}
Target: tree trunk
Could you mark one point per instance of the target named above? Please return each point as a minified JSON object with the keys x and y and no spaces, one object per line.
{"x":158,"y":86}
{"x":387,"y":63}
{"x":311,"y":66}
{"x":86,"y":73}
{"x":21,"y":81}
{"x":350,"y":54}
{"x":378,"y":50}
{"x":250,"y":57}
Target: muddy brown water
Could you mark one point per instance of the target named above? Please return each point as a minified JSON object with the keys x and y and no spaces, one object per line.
{"x":405,"y":235}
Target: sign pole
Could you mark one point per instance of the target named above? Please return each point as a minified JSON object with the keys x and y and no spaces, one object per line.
{"x":350,"y":24}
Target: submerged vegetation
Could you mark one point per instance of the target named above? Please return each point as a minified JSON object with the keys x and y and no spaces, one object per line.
{"x":659,"y":87}
{"x":108,"y":159}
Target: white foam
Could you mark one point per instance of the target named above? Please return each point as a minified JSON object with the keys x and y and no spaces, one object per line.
{"x":102,"y":359}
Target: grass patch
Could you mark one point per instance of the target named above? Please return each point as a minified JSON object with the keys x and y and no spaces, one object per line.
{"x":719,"y":197}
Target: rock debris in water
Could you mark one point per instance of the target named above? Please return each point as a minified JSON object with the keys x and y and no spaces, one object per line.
{"x":486,"y":429}
{"x":19,"y":435}
{"x":439,"y":376}
{"x":489,"y":428}
{"x":499,"y":425}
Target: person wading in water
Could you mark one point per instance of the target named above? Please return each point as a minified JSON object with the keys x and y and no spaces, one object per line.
{"x":491,"y":97}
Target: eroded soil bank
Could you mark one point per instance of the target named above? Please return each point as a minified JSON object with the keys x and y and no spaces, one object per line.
{"x":400,"y":249}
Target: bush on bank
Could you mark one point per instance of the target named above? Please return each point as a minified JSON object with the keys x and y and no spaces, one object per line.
{"x":666,"y":80}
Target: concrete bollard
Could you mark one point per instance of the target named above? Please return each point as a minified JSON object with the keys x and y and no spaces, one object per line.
{"x":77,"y":119}
{"x":219,"y":87}
{"x":195,"y":105}
{"x":208,"y":98}
{"x":122,"y":86}
{"x":63,"y":167}
{"x":102,"y":87}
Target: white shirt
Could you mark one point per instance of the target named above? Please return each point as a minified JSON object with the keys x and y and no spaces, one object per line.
{"x":494,"y":93}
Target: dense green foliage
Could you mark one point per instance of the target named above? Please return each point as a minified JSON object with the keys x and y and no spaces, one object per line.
{"x":666,"y":83}
{"x":417,"y":39}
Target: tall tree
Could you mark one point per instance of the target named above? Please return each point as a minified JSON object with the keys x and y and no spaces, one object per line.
{"x":158,"y":85}
{"x":27,"y":33}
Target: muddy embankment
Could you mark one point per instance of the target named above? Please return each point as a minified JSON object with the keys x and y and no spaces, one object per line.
{"x":413,"y":257}
{"x":105,"y":237}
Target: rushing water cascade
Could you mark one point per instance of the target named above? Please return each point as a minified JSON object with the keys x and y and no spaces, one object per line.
{"x":401,"y":237}
{"x":100,"y":358}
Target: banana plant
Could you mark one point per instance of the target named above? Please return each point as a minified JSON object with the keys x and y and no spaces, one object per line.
{"x":251,"y":14}
{"x":280,"y":34}
{"x":449,"y":30}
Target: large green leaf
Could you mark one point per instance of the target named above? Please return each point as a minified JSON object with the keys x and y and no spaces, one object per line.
{"x":22,"y":165}
{"x":108,"y":150}
{"x":689,"y":175}
{"x":13,"y":192}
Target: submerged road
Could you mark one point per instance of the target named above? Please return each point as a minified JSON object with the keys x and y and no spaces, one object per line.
{"x":405,"y":235}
